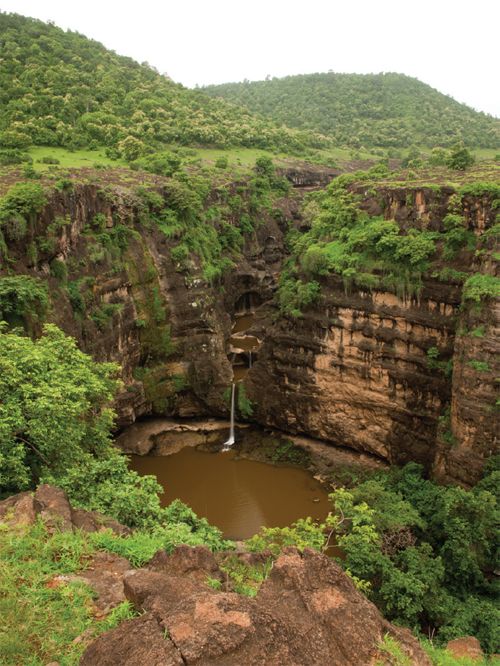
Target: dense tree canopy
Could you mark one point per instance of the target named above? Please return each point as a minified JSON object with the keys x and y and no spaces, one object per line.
{"x":423,"y":552}
{"x":54,"y":406}
{"x":61,"y":89}
{"x":365,"y":109}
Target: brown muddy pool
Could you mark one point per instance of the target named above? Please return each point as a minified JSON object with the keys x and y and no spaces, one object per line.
{"x":237,"y":495}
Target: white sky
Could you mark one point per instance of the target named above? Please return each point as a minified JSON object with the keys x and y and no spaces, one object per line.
{"x":452,"y":45}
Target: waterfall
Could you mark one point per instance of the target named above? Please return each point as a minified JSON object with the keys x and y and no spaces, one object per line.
{"x":250,"y":359}
{"x":230,"y":441}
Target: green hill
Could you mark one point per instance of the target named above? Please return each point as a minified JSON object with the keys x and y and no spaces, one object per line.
{"x":389,"y":110}
{"x":59,"y":88}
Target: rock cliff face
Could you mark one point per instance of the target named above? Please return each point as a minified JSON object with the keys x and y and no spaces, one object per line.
{"x":356,"y":371}
{"x":353,"y":370}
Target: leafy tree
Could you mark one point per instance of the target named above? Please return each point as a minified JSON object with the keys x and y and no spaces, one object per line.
{"x":460,"y":158}
{"x":423,"y":552}
{"x":264,"y":167}
{"x":438,"y":157}
{"x":23,"y":301}
{"x":131,"y":148}
{"x":54,"y":407}
{"x":479,"y":287}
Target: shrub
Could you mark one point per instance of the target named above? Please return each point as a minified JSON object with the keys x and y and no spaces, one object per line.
{"x":221,"y":163}
{"x":424,"y":549}
{"x":131,"y":148}
{"x":59,"y":270}
{"x":48,"y":159}
{"x":294,"y":294}
{"x":22,"y":200}
{"x":13,"y":156}
{"x":479,"y":366}
{"x":479,"y":287}
{"x":50,"y":392}
{"x":460,"y":159}
{"x":245,"y":406}
{"x":23,"y":300}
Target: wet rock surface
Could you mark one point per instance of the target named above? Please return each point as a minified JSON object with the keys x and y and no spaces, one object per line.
{"x":306,"y":612}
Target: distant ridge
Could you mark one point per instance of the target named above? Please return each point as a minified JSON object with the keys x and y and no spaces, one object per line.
{"x":365,"y":109}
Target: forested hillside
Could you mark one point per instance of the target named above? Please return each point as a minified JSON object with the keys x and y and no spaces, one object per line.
{"x":59,"y":88}
{"x":390,"y":110}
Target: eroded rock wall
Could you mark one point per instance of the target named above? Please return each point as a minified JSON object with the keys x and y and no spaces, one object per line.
{"x":164,"y":324}
{"x":354,"y":370}
{"x":357,"y":374}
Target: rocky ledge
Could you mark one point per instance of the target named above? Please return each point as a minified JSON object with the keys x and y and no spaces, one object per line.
{"x":52,"y":506}
{"x":306,"y":612}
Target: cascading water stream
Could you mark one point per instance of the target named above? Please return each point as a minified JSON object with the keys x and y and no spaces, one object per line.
{"x":240,"y":342}
{"x":230,"y":441}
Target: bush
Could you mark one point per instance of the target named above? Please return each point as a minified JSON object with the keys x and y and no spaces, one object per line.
{"x":48,"y":159}
{"x":50,"y":392}
{"x":294,"y":295}
{"x":460,"y":159}
{"x":23,"y":301}
{"x":221,"y":163}
{"x":131,"y":148}
{"x":13,"y":156}
{"x":15,"y":139}
{"x":22,"y":199}
{"x":59,"y":270}
{"x":479,"y":287}
{"x":245,"y":406}
{"x":163,"y":163}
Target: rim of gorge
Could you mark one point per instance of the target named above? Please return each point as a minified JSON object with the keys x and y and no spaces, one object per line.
{"x":365,"y":368}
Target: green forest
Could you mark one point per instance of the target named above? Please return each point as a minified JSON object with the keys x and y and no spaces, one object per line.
{"x":59,"y":88}
{"x":389,"y":110}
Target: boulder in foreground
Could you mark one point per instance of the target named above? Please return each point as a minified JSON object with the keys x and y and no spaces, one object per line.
{"x":307,"y":612}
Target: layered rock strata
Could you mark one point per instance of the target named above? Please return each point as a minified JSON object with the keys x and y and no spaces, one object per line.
{"x":353,"y":370}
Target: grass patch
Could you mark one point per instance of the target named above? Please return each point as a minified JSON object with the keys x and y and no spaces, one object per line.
{"x":441,"y":657}
{"x":245,"y":578}
{"x":71,"y":158}
{"x":393,"y":651}
{"x":41,"y":614}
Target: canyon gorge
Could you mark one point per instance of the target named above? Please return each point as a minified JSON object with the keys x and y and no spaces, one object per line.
{"x":353,"y":370}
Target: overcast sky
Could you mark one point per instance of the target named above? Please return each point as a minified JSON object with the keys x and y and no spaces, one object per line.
{"x":450,"y":44}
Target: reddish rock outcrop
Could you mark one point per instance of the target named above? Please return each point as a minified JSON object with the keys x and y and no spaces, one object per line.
{"x":466,"y":647}
{"x":51,"y":504}
{"x":104,"y":574}
{"x":308,"y":612}
{"x":141,"y":641}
